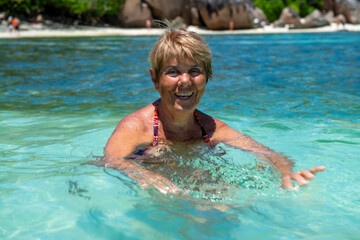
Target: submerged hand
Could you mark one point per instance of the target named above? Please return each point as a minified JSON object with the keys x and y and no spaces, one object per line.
{"x":161,"y":183}
{"x":301,"y":177}
{"x":145,"y":177}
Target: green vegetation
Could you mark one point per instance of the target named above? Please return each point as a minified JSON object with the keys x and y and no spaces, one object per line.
{"x":92,"y":11}
{"x":87,"y":10}
{"x":273,"y":8}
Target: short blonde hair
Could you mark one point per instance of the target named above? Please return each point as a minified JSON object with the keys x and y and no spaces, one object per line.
{"x":181,"y":44}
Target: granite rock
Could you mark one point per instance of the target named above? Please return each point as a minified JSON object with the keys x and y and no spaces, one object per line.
{"x":135,"y":14}
{"x":218,"y":14}
{"x":288,"y":17}
{"x":315,"y":19}
{"x":162,"y":9}
{"x":350,"y":9}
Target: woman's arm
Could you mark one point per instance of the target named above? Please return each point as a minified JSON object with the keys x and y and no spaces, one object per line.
{"x":233,"y":138}
{"x":130,"y":133}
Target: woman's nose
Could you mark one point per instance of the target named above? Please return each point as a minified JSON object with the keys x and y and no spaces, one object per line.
{"x":184,"y":78}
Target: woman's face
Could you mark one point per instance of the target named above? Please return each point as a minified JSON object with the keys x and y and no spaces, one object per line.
{"x":181,"y":84}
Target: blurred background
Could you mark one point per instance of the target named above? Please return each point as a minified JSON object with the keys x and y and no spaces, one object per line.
{"x":210,"y":14}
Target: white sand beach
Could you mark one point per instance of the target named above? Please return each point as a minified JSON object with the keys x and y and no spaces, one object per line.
{"x":39,"y":30}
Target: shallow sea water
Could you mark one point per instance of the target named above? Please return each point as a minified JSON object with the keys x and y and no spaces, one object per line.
{"x":60,"y":100}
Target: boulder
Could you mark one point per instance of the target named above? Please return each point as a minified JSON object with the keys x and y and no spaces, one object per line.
{"x":195,"y":17}
{"x":162,"y":9}
{"x":215,"y":16}
{"x":315,"y":19}
{"x":355,"y":16}
{"x":242,"y":16}
{"x":288,"y":17}
{"x":186,"y":13}
{"x":329,"y":16}
{"x":135,"y":14}
{"x":340,"y":19}
{"x":220,"y":14}
{"x":343,"y":8}
{"x":350,"y":9}
{"x":329,"y":5}
{"x":354,"y":10}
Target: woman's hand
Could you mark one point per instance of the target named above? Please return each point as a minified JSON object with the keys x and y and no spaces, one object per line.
{"x":159,"y":182}
{"x":300,"y":177}
{"x":145,"y":177}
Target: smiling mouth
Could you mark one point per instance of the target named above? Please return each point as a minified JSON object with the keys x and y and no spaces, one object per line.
{"x":184,"y":96}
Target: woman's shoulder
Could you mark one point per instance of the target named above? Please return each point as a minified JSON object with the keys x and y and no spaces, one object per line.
{"x":132,"y":130}
{"x":139,"y":119}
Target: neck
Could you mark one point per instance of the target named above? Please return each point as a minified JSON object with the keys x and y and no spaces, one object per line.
{"x":175,"y":124}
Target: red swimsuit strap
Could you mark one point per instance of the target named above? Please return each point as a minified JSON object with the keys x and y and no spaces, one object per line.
{"x":204,"y":134}
{"x":155,"y":142}
{"x":156,"y":127}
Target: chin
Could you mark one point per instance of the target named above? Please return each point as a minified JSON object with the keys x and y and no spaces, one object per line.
{"x":185,"y":108}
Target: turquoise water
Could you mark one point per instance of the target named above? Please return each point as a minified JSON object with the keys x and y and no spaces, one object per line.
{"x":60,"y":100}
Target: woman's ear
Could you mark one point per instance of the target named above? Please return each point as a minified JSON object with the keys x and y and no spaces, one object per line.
{"x":153,"y":79}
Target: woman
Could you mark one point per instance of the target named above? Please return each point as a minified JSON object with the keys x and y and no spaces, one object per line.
{"x":180,"y":69}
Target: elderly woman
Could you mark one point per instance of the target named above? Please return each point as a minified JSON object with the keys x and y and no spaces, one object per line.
{"x":180,"y":69}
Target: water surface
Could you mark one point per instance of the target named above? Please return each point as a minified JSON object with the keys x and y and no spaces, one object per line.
{"x":61,"y":98}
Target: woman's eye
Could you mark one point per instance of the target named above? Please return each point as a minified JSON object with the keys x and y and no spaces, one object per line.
{"x":195,"y":72}
{"x":173,"y":72}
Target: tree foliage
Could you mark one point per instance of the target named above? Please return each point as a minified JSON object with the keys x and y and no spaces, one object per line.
{"x":81,"y":9}
{"x":273,"y":8}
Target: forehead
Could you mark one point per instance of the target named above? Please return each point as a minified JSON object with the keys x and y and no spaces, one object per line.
{"x":177,"y":62}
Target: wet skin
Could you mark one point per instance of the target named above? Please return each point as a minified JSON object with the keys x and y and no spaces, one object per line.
{"x":181,"y":85}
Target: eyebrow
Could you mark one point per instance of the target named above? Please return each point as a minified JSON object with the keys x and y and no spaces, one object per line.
{"x":176,"y":66}
{"x":164,"y":69}
{"x":196,"y":65}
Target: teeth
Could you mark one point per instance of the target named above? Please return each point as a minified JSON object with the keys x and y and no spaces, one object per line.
{"x":183,"y":94}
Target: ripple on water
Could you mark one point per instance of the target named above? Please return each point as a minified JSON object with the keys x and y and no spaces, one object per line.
{"x":298,"y":94}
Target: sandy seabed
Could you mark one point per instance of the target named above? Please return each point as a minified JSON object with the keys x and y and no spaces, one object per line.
{"x":34,"y":31}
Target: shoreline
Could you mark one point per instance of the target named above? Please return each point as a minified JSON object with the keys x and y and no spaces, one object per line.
{"x":39,"y":31}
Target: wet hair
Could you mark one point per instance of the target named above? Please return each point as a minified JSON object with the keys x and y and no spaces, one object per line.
{"x":183,"y":45}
